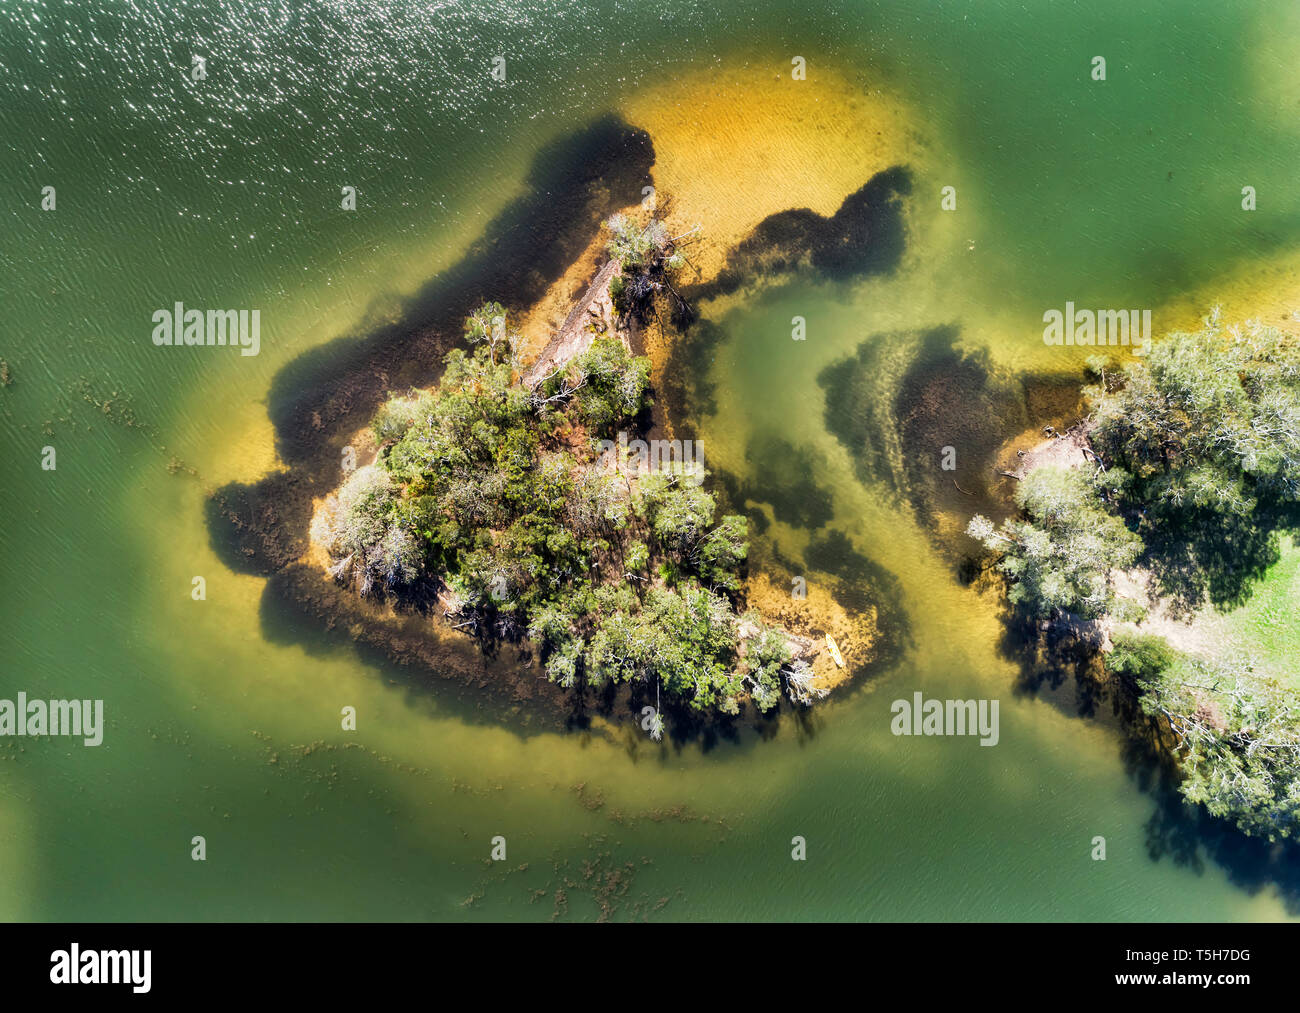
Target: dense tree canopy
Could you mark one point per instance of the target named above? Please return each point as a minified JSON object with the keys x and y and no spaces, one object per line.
{"x":1195,"y":472}
{"x":1060,"y":559}
{"x":1202,"y":443}
{"x":1197,"y":467}
{"x":492,"y":494}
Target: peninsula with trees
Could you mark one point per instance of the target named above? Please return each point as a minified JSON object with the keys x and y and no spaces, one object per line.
{"x":1168,"y":506}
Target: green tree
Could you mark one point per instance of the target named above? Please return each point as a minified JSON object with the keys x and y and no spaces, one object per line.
{"x":614,"y":386}
{"x":649,"y":258}
{"x":721,"y":553}
{"x":767,"y":654}
{"x":1238,"y":741}
{"x":1203,"y":439}
{"x":1061,"y":558}
{"x":490,"y":487}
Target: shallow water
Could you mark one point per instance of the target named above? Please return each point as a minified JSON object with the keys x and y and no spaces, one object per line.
{"x":224,"y":721}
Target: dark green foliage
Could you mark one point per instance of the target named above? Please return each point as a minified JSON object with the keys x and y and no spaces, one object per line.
{"x":767,"y":657}
{"x":615,"y":387}
{"x":1140,"y":655}
{"x":685,"y":637}
{"x":1199,"y":451}
{"x":618,"y":294}
{"x":679,"y":511}
{"x":1237,"y":737}
{"x":722,"y":552}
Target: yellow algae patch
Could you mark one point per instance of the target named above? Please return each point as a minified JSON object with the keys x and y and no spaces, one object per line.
{"x":813,"y":618}
{"x":1267,"y":290}
{"x":246,"y":454}
{"x":1275,"y":97}
{"x":736,"y":144}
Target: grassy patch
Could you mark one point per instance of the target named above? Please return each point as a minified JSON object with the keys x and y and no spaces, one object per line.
{"x":1268,"y":624}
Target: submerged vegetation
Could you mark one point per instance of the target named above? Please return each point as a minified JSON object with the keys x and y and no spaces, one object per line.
{"x":1189,"y":475}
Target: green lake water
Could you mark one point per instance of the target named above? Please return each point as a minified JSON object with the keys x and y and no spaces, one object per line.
{"x":225,"y":193}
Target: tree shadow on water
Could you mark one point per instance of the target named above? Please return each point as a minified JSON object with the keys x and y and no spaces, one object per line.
{"x":1187,"y":835}
{"x":320,"y":399}
{"x":1058,"y":667}
{"x":479,"y":682}
{"x":574,"y":184}
{"x":866,"y":236}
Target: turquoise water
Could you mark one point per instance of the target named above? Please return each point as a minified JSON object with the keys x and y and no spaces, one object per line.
{"x":225,"y":192}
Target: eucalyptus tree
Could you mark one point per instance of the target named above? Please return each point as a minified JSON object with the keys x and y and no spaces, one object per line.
{"x":1061,"y":557}
{"x":650,"y":259}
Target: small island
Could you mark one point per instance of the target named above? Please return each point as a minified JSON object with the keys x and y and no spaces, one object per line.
{"x":523,"y":503}
{"x":1162,"y":510}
